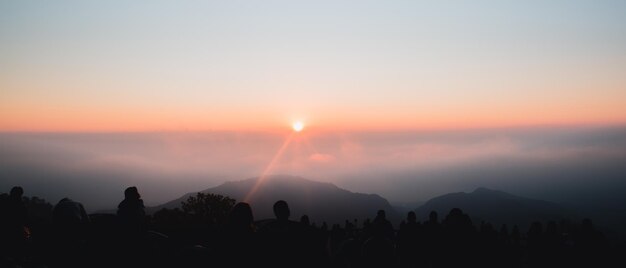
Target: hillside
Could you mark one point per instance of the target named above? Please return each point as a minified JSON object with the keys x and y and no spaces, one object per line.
{"x":320,"y":201}
{"x":496,"y":207}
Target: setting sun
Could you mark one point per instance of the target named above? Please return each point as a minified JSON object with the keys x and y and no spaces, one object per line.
{"x":298,"y":126}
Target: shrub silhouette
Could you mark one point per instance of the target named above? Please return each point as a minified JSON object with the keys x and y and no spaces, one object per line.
{"x":213,"y":208}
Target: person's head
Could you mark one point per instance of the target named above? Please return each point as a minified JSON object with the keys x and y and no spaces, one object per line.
{"x":433,"y":216}
{"x":587,"y":225}
{"x":17,"y":192}
{"x":381,"y":214}
{"x":305,"y":220}
{"x":131,"y":193}
{"x":455,"y":212}
{"x":241,"y":215}
{"x":281,"y":210}
{"x":536,"y":228}
{"x":411,"y":217}
{"x":551,"y":228}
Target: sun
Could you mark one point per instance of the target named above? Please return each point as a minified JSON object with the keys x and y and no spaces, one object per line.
{"x":297,"y":126}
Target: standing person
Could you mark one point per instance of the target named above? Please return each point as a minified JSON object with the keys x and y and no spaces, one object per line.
{"x":131,"y":211}
{"x":132,"y":222}
{"x":69,"y":212}
{"x":13,"y":231}
{"x":70,"y":221}
{"x":238,"y":243}
{"x":283,"y":240}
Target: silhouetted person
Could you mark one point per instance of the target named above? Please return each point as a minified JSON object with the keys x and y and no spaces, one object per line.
{"x":504,"y":234}
{"x":408,"y":239}
{"x":281,"y":211}
{"x":70,"y":219}
{"x":535,"y":234}
{"x":15,"y":210}
{"x":552,"y":236}
{"x":516,"y":236}
{"x":14,"y":222}
{"x":381,"y":226}
{"x":378,"y":250}
{"x":411,"y":218}
{"x":537,"y":246}
{"x":489,"y":250}
{"x":553,"y":245}
{"x":238,"y":240}
{"x":70,"y":224}
{"x":240,"y":218}
{"x":432,"y":240}
{"x":131,"y":211}
{"x":336,"y":237}
{"x":69,"y":212}
{"x":132,"y":223}
{"x":304,"y":220}
{"x":590,"y":246}
{"x":459,"y":238}
{"x":284,"y":240}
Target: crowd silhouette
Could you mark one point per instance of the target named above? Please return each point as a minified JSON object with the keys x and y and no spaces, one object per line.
{"x":68,"y":237}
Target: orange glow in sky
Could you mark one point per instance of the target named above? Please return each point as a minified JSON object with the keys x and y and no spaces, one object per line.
{"x":298,"y":126}
{"x":261,"y":66}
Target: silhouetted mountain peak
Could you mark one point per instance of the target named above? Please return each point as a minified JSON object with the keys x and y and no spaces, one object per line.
{"x":495,"y":206}
{"x":485,"y":192}
{"x":481,"y":190}
{"x":321,"y":201}
{"x":277,"y":181}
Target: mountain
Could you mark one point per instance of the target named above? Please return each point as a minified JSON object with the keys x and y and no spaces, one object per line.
{"x":320,"y":201}
{"x":495,"y":207}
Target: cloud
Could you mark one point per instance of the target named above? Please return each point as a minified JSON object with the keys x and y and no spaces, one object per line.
{"x":400,"y":166}
{"x":321,"y":158}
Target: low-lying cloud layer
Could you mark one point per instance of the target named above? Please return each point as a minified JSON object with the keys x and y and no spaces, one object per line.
{"x":572,"y":165}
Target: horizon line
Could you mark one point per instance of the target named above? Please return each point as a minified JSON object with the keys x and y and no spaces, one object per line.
{"x":317,"y":130}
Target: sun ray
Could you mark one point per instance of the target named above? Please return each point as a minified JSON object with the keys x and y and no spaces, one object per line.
{"x":310,"y":146}
{"x":269,"y":168}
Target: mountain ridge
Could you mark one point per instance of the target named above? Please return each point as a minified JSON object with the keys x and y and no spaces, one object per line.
{"x":321,"y":201}
{"x":496,"y":207}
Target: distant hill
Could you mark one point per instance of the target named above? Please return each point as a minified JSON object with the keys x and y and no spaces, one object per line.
{"x":320,"y":201}
{"x":496,"y":207}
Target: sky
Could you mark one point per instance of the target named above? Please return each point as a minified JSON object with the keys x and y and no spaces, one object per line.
{"x":570,"y":165}
{"x":119,"y":66}
{"x":406,"y":99}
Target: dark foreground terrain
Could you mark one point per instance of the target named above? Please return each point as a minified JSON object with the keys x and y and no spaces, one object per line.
{"x":214,"y":231}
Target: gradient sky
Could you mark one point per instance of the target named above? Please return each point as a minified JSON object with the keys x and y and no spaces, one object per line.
{"x":249,"y":65}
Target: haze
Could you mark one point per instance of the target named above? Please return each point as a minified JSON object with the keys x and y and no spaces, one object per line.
{"x":406,"y":99}
{"x":573,"y":165}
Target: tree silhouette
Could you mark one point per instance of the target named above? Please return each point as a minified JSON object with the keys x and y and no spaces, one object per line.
{"x":38,"y":208}
{"x":213,"y":208}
